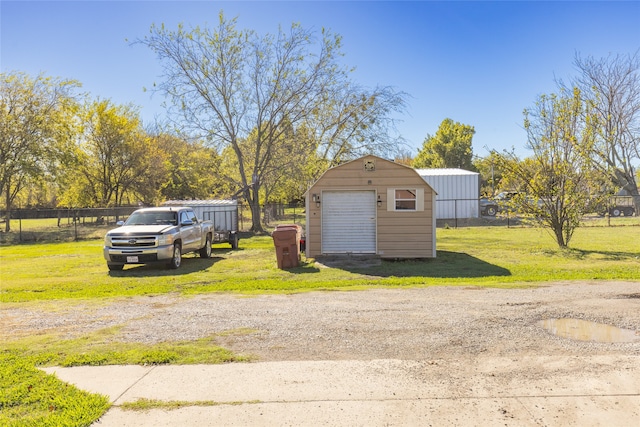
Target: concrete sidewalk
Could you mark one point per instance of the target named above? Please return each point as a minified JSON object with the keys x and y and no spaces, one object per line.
{"x":529,"y":391}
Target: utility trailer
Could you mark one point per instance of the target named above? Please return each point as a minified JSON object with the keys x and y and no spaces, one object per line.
{"x":222,"y":213}
{"x":621,"y":205}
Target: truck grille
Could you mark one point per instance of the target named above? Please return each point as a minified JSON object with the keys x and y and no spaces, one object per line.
{"x":134,"y":241}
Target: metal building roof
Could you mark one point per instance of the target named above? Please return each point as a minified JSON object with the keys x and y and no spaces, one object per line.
{"x":445,"y":172}
{"x":212,"y":202}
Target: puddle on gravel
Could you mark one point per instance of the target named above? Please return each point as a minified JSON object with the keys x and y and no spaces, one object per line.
{"x":583,"y":330}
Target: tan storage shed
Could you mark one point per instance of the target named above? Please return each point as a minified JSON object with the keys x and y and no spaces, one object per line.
{"x":371,"y":206}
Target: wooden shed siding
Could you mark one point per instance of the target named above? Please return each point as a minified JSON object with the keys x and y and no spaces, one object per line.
{"x":400,"y":234}
{"x":417,"y":217}
{"x":401,"y":230}
{"x":413,"y":238}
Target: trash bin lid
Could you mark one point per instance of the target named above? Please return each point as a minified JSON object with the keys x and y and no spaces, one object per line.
{"x":285,"y":236}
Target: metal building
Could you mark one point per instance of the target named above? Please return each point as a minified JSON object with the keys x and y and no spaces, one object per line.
{"x":458,"y":192}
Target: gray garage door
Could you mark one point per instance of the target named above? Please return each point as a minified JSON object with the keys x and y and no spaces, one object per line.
{"x":348,"y":222}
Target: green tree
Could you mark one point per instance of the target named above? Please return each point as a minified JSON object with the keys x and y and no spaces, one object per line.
{"x":190,"y":169}
{"x":490,"y":173}
{"x":240,"y":91}
{"x":288,"y":178}
{"x":557,"y":182}
{"x":450,"y":147}
{"x":34,"y":128}
{"x":113,"y":157}
{"x":153,"y":173}
{"x":285,"y":179}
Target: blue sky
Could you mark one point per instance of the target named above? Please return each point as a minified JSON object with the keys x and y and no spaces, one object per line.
{"x":479,"y":63}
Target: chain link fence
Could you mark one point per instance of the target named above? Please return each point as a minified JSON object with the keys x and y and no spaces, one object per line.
{"x":50,"y":225}
{"x":35,"y":225}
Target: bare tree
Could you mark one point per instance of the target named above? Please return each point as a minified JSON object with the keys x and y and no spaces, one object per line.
{"x":242,"y":91}
{"x":612,"y":85}
{"x":353,"y":121}
{"x":226,"y":84}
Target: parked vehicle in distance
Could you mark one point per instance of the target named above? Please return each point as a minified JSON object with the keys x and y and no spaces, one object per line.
{"x":500,"y":203}
{"x":488,"y":207}
{"x":161,"y":234}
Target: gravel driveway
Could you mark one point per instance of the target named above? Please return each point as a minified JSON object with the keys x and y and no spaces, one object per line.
{"x":441,"y":355}
{"x":409,"y":324}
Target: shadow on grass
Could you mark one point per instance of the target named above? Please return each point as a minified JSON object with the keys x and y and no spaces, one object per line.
{"x":303,"y":268}
{"x":610,"y":255}
{"x":446,"y":265}
{"x":190,"y":264}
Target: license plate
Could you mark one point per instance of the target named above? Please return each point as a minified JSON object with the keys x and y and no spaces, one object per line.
{"x":132,"y":259}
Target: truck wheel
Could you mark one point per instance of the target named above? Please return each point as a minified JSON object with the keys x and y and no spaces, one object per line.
{"x":491,"y":211}
{"x":205,"y":251}
{"x":115,"y":267}
{"x":233,"y":239}
{"x":615,"y":212}
{"x":628,"y":212}
{"x":176,"y":259}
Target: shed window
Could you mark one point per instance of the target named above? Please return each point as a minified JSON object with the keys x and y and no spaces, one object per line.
{"x":405,"y":200}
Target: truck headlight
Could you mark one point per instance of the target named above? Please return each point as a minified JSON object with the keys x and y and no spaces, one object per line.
{"x":165,"y":239}
{"x":107,"y":240}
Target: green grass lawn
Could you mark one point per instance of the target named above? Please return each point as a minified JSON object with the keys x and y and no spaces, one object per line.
{"x":30,"y":397}
{"x":49,"y":275}
{"x":483,"y":256}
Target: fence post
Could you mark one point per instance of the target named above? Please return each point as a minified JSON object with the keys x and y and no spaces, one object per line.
{"x":455,"y":211}
{"x":75,"y":225}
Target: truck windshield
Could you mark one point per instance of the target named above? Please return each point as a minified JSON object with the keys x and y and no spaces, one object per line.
{"x":152,"y":218}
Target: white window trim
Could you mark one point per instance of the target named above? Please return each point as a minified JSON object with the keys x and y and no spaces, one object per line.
{"x":391,"y":199}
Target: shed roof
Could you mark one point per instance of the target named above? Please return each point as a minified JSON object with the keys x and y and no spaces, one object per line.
{"x":400,"y":165}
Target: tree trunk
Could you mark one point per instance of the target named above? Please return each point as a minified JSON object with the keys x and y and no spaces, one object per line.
{"x":256,"y":224}
{"x":560,"y":239}
{"x":636,"y":202}
{"x":254,"y":204}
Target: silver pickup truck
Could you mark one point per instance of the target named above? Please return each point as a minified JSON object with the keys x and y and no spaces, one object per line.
{"x":157,"y":235}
